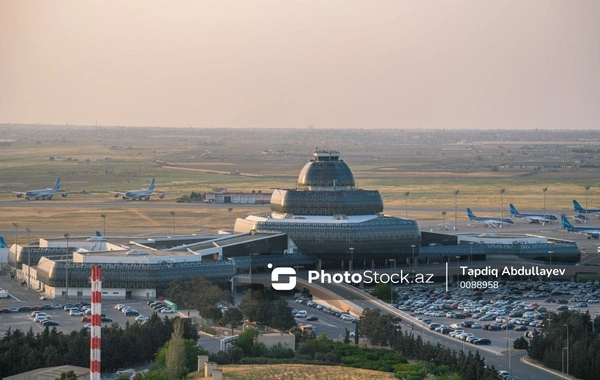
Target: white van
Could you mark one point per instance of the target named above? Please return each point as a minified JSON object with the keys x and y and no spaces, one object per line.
{"x":301,"y":314}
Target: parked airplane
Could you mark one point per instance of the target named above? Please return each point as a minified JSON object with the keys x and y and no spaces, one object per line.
{"x":490,"y":222}
{"x":98,"y":237}
{"x":577,"y":207}
{"x":590,"y":232}
{"x":143,"y":194}
{"x":43,"y":193}
{"x":533,"y":218}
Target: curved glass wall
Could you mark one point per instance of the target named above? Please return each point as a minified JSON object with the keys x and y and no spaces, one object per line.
{"x":132,"y":276}
{"x":381,"y":237}
{"x":347,"y":202}
{"x":35,"y":254}
{"x":326,"y":174}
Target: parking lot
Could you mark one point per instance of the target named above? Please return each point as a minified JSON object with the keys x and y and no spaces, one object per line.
{"x":514,"y":305}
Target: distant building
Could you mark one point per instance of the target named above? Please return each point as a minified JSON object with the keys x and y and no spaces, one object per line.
{"x":221,"y":195}
{"x":51,"y":373}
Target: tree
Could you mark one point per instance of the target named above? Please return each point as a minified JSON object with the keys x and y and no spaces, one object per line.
{"x":175,"y":361}
{"x":346,"y":336}
{"x":521,"y":343}
{"x":245,"y":340}
{"x":267,"y":308}
{"x":383,"y":291}
{"x":232,"y":317}
{"x":69,"y":375}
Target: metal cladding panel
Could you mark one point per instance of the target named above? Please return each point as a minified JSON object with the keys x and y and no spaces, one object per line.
{"x":382,"y":237}
{"x":135,"y":276}
{"x":324,"y":173}
{"x":346,"y":202}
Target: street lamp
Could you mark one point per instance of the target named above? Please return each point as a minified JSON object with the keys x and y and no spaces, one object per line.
{"x":457,"y":267}
{"x":544,"y":189}
{"x":471,"y":255}
{"x":587,"y":187}
{"x":455,"y":196}
{"x":28,"y":257}
{"x":351,"y":259}
{"x":443,"y":215}
{"x":16,"y":225}
{"x":413,"y":257}
{"x":391,"y":284}
{"x":502,"y":206}
{"x":67,"y":236}
{"x":103,"y":216}
{"x":230,"y":221}
{"x":567,"y":326}
{"x":172,"y":213}
{"x":406,"y":194}
{"x":563,"y":363}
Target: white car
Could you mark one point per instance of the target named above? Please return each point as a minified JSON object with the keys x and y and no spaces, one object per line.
{"x":141,"y":318}
{"x":476,"y":326}
{"x":41,"y":318}
{"x":76,"y":313}
{"x":167,"y":311}
{"x":301,"y":314}
{"x":346,"y":317}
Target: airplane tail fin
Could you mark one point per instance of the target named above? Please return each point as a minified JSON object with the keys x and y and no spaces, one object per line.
{"x":577,"y":206}
{"x":513,"y":210}
{"x":469,"y":213}
{"x":565,"y":222}
{"x":57,"y":184}
{"x":98,"y":234}
{"x":151,"y":185}
{"x":2,"y":243}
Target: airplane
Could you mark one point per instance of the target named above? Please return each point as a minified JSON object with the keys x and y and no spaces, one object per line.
{"x":43,"y":193}
{"x":590,"y":232}
{"x":98,"y":237}
{"x":143,"y":194}
{"x":577,"y":207}
{"x":533,"y":218}
{"x":490,"y":222}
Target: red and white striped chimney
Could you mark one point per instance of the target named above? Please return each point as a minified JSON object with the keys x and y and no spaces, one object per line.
{"x":95,"y":342}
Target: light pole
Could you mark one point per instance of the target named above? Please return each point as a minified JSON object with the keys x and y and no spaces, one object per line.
{"x":587,"y":187}
{"x":508,"y":351}
{"x":351,"y":259}
{"x":455,"y":196}
{"x":16,"y":225}
{"x":230,"y":221}
{"x":544,"y":189}
{"x":103,"y":216}
{"x":406,"y":194}
{"x":443,"y":225}
{"x":172,"y":213}
{"x":413,"y":258}
{"x":391,"y":284}
{"x":502,"y":206}
{"x":67,"y":236}
{"x":567,"y":326}
{"x":28,"y":257}
{"x":563,"y":363}
{"x":457,"y":267}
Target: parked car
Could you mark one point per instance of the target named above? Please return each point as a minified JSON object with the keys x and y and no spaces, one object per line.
{"x":312,"y":318}
{"x":49,"y":322}
{"x":105,"y":320}
{"x":76,"y":313}
{"x":86,"y":319}
{"x":482,"y":341}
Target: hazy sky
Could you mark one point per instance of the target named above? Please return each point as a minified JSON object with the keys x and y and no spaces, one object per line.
{"x":284,"y":63}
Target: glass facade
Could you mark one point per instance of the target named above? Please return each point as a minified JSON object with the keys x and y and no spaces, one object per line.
{"x":347,"y":202}
{"x":326,"y":170}
{"x":378,"y":238}
{"x":35,"y":254}
{"x":133,"y":276}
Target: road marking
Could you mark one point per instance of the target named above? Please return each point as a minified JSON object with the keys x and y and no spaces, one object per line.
{"x":10,"y":294}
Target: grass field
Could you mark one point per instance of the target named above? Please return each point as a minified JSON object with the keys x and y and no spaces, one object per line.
{"x":430,"y":173}
{"x":297,"y":372}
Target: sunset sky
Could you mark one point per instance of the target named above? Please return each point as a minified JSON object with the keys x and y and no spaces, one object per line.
{"x":330,"y":64}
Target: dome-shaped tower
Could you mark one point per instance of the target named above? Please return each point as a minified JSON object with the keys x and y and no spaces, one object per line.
{"x":326,"y":172}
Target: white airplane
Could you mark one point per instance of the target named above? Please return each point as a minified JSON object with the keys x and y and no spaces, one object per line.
{"x":591,"y":232}
{"x":43,"y":193}
{"x":143,"y":194}
{"x":533,"y":218}
{"x":490,"y":222}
